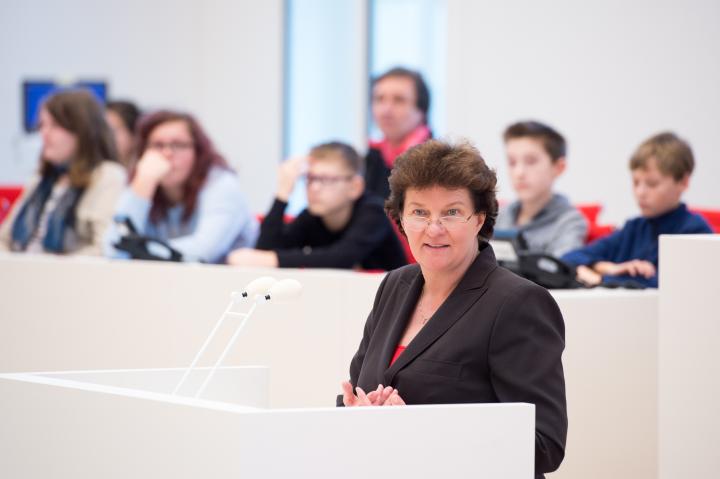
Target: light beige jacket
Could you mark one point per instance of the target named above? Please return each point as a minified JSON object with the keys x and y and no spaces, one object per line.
{"x":94,"y":211}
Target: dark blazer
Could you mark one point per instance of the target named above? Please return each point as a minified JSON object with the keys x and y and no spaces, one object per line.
{"x":497,"y":338}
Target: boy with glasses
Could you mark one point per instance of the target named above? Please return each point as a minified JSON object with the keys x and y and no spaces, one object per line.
{"x":342,"y":227}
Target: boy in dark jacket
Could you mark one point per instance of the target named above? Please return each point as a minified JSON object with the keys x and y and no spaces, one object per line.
{"x":342,"y":227}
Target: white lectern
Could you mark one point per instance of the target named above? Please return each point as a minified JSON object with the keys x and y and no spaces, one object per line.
{"x":64,"y":425}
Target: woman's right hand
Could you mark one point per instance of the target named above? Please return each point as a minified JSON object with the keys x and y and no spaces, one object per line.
{"x":151,"y":169}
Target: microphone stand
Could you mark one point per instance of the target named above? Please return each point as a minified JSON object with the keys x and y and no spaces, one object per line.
{"x":240,"y":327}
{"x":199,"y":354}
{"x":260,"y":290}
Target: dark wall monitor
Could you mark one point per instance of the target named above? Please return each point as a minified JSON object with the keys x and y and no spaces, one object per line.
{"x":36,"y":91}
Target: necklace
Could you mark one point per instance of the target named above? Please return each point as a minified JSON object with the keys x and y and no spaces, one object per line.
{"x":423,"y":316}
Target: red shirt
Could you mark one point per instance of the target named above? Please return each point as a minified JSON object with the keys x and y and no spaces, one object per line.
{"x":398,"y":352}
{"x":390,"y":152}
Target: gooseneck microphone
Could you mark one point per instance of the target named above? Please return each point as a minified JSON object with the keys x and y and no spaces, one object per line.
{"x":261,"y":290}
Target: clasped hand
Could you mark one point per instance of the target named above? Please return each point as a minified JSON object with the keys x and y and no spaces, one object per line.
{"x":382,"y":396}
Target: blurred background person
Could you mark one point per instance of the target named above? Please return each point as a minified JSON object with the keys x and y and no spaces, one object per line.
{"x":547,"y":221}
{"x":122,"y":116}
{"x":183,"y":192}
{"x":400,"y":103}
{"x":68,"y":206}
{"x":342,"y":227}
{"x":660,"y":169}
{"x":456,"y":327}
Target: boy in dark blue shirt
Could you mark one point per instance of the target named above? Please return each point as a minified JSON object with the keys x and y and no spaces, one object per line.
{"x":661,"y":169}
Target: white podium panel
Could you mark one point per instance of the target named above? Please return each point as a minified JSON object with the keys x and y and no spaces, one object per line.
{"x":610,"y":364}
{"x":81,"y":430}
{"x":689,"y":357}
{"x":61,"y":313}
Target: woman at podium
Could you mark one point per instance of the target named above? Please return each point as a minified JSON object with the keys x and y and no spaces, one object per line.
{"x":455,"y":327}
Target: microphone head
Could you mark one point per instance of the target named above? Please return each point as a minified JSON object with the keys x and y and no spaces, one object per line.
{"x":284,"y":290}
{"x":257,"y":287}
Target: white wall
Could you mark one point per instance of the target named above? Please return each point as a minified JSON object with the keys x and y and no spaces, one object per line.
{"x":607,"y":74}
{"x":326,"y":61}
{"x":326,"y":79}
{"x":219,"y":59}
{"x":413,"y":34}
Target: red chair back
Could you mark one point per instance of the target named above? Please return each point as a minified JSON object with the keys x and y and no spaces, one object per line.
{"x":595,"y":231}
{"x":590,"y":211}
{"x":711,"y":216}
{"x":8,"y":195}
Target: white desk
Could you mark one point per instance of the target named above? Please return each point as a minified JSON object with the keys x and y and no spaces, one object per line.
{"x":98,"y":314}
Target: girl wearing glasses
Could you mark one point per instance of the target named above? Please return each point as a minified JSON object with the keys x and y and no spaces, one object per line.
{"x":68,"y":206}
{"x":183,"y":192}
{"x":456,"y":327}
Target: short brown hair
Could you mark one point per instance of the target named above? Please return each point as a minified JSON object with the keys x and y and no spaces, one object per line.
{"x":454,"y":166}
{"x":673,"y":155}
{"x":347,"y":154}
{"x":553,"y":142}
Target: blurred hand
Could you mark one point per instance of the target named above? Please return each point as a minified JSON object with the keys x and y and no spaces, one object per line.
{"x":588,"y":276}
{"x":635,"y":267}
{"x":288,"y":173}
{"x":151,"y":169}
{"x":153,"y":166}
{"x":253,"y":257}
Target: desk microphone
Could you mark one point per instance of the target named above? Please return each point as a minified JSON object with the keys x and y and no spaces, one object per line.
{"x":259,"y":286}
{"x":284,"y":290}
{"x":260,"y":290}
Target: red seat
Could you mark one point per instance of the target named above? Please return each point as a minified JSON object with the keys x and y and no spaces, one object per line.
{"x":595,"y":230}
{"x":8,"y":195}
{"x":710,"y":215}
{"x":287,"y":219}
{"x":590,"y":211}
